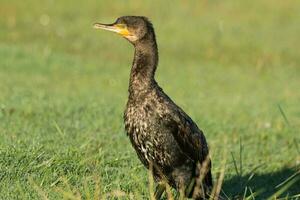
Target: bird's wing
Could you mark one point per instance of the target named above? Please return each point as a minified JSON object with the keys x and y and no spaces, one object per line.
{"x":192,"y":143}
{"x":188,"y":136}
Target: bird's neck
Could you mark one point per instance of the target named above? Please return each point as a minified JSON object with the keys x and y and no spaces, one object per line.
{"x":144,"y":66}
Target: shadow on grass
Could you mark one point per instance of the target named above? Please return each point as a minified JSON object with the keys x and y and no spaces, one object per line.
{"x":265,"y":184}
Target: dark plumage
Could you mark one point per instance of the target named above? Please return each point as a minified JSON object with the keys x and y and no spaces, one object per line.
{"x":162,"y":134}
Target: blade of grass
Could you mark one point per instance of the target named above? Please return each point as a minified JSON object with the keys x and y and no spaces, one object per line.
{"x":86,"y":190}
{"x":283,"y":115}
{"x":245,"y":192}
{"x":235,"y":165}
{"x":241,"y":158}
{"x":297,"y":146}
{"x":288,"y":179}
{"x":62,"y":133}
{"x":254,"y":194}
{"x":151,"y":182}
{"x":169,"y":192}
{"x":284,"y":188}
{"x":218,"y":186}
{"x":41,"y":193}
{"x":97,"y":192}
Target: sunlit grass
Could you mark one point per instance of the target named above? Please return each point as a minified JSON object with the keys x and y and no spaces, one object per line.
{"x":232,"y":66}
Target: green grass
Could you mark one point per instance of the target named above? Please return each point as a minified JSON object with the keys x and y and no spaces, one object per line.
{"x":232,"y":66}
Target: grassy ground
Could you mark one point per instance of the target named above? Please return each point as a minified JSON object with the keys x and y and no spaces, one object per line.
{"x":232,"y":65}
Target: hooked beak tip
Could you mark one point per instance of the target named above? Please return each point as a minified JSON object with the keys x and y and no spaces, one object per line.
{"x":97,"y":25}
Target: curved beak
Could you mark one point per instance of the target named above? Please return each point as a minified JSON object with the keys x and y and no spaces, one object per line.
{"x":117,"y":28}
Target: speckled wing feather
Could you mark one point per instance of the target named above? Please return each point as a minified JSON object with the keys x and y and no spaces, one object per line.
{"x":189,"y":137}
{"x":191,"y":141}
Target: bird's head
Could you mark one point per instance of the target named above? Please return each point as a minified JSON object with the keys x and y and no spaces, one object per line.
{"x":133,"y":28}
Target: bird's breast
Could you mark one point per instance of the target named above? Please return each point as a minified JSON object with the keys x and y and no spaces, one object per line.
{"x":139,"y":124}
{"x":150,"y":138}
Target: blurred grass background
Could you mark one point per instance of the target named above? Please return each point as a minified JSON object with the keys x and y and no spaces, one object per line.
{"x":232,"y":65}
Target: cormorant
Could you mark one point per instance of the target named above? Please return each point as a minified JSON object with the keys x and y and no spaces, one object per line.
{"x":165,"y":138}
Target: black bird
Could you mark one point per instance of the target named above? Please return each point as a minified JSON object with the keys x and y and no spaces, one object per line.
{"x":165,"y":138}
